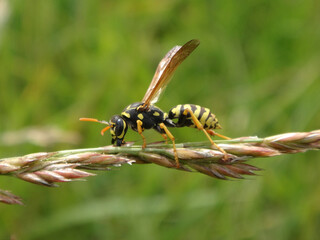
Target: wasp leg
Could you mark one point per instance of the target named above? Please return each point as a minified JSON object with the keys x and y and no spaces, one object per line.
{"x":165,"y":137}
{"x":173,"y":143}
{"x":139,"y":124}
{"x":213,"y":133}
{"x":200,"y":127}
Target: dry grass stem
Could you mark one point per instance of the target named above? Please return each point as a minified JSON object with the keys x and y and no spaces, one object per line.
{"x":48,"y":168}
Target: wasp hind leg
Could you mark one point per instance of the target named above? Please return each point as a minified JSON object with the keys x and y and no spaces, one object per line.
{"x":168,"y":133}
{"x":200,"y":127}
{"x":213,"y":133}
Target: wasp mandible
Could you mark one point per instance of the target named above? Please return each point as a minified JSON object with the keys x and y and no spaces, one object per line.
{"x":145,"y":115}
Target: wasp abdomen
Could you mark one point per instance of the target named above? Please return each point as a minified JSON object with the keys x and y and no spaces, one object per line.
{"x":204,"y":115}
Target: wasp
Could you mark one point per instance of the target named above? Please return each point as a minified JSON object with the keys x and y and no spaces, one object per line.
{"x":144,"y":115}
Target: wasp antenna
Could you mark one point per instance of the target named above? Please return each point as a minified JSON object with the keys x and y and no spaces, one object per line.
{"x":89,"y":119}
{"x":104,"y":130}
{"x":94,"y":120}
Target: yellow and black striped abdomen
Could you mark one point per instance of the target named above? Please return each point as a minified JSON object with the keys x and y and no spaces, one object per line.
{"x":204,"y":115}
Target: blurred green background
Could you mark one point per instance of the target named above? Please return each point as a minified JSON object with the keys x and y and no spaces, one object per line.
{"x":257,"y":68}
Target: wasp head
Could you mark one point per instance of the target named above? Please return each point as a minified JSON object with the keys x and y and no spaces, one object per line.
{"x":118,"y":129}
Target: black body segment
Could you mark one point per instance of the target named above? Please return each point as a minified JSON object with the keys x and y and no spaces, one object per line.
{"x":204,"y":115}
{"x":150,"y":118}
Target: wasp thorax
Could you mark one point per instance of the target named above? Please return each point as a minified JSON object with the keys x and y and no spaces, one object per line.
{"x":118,"y":129}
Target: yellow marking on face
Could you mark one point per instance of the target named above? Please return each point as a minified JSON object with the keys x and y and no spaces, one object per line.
{"x":112,"y":131}
{"x":165,"y":115}
{"x":156,"y":114}
{"x":140,"y":116}
{"x":127,"y":115}
{"x":123,"y":132}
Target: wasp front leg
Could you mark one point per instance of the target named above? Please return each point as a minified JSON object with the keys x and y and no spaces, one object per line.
{"x":165,"y":137}
{"x":140,"y":130}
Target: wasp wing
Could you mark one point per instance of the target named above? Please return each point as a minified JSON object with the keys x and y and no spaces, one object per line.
{"x":165,"y":70}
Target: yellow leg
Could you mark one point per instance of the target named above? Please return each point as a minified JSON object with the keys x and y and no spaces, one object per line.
{"x":139,"y":124}
{"x":200,"y":127}
{"x":173,"y":143}
{"x":213,"y":133}
{"x":165,"y":137}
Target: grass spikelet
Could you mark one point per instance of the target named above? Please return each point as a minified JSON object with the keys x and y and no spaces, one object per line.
{"x":48,"y":168}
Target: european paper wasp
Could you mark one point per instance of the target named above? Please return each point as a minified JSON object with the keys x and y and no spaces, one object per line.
{"x":145,"y":115}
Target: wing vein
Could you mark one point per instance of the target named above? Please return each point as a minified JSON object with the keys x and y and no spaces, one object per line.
{"x":166,"y":69}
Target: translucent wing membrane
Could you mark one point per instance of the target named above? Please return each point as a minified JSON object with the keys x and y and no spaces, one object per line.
{"x":165,"y":70}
